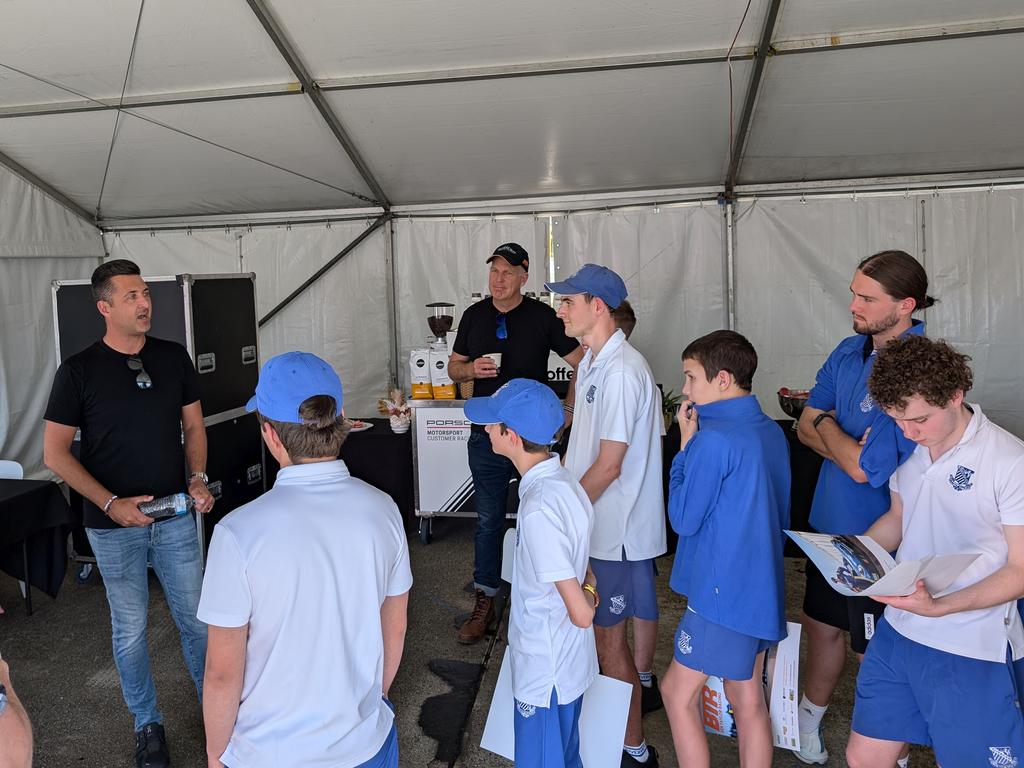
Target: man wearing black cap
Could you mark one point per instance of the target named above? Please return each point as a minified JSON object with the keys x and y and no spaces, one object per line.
{"x":520,"y":332}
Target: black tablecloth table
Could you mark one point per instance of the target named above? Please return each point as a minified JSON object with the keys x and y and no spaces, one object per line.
{"x":34,"y":524}
{"x":379,"y":457}
{"x":804,"y":466}
{"x":384,"y":460}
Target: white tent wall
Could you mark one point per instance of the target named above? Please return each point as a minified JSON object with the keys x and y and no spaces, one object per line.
{"x":343,"y":316}
{"x":330,"y":318}
{"x":673,"y":262}
{"x":794,"y":260}
{"x":40,"y":241}
{"x":975,"y":261}
{"x":443,"y":259}
{"x":28,"y":358}
{"x":173,"y":253}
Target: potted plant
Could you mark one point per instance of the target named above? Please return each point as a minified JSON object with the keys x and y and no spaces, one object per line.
{"x":669,"y":405}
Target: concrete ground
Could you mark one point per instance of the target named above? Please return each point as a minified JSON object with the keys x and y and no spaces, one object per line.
{"x":62,"y":668}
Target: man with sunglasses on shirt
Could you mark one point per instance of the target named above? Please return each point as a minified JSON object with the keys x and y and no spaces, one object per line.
{"x":133,"y":396}
{"x":524,"y":331}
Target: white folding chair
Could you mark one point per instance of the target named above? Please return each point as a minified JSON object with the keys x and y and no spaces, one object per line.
{"x":12,"y":470}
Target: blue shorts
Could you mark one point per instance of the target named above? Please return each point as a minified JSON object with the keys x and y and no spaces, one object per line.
{"x":966,"y":709}
{"x":548,"y":737}
{"x":715,"y":650}
{"x":387,"y":755}
{"x":627,"y":589}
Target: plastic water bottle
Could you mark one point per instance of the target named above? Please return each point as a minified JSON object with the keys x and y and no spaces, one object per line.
{"x":167,"y":506}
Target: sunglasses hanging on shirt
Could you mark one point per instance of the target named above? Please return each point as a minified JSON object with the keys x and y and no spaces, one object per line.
{"x":502,"y":329}
{"x":142,"y":381}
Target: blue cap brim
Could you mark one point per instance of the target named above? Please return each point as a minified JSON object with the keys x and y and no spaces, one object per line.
{"x":251,"y":405}
{"x":564,"y":288}
{"x":481,"y":410}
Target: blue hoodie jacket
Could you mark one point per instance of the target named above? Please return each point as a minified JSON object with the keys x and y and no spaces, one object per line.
{"x":729,"y":503}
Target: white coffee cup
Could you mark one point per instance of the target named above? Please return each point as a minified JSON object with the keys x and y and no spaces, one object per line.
{"x":496,"y":357}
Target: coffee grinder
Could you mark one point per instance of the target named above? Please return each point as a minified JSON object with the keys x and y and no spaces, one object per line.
{"x":440,"y":317}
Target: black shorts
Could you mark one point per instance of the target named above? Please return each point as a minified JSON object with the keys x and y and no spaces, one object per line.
{"x":856,"y":615}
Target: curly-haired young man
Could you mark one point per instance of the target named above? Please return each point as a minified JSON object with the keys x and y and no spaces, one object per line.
{"x":940,"y":668}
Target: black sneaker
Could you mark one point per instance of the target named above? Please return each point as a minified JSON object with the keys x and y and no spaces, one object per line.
{"x":151,"y":747}
{"x":628,"y":761}
{"x":650,"y":698}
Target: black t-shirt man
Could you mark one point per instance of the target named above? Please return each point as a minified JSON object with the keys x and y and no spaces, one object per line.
{"x":131,"y":437}
{"x":531,"y":330}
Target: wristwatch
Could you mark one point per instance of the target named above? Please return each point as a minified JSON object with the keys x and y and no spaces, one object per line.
{"x":201,"y":475}
{"x":821,"y":416}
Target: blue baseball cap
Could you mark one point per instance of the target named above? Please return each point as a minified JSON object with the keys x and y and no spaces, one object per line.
{"x":288,"y":380}
{"x":597,"y":281}
{"x":526,"y":406}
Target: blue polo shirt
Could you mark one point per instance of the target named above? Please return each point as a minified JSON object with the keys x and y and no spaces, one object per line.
{"x":841,"y":504}
{"x":729,"y":503}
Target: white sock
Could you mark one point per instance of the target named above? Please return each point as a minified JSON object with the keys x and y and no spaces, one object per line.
{"x":903,"y":762}
{"x":810,"y":715}
{"x":645,"y":679}
{"x":640,"y":754}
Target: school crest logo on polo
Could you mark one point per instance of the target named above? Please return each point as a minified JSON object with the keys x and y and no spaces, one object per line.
{"x":961,"y":479}
{"x":683,"y":643}
{"x":525,"y":710}
{"x":867,"y":403}
{"x":618,"y":604}
{"x":591,"y":392}
{"x":1002,"y":757}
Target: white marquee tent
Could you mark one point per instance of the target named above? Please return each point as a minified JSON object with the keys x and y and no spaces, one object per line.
{"x":733,"y":159}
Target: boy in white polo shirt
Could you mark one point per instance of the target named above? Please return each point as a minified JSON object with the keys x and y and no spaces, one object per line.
{"x":554,"y":599}
{"x":615,"y":453}
{"x":940,"y":669}
{"x":305,"y":595}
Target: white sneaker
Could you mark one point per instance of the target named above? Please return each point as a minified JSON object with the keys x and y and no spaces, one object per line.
{"x":812,"y":748}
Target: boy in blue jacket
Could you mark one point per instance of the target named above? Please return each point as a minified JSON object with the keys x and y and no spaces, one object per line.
{"x":729,"y":503}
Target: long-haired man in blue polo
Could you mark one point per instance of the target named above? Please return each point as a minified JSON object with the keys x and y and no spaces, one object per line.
{"x":554,"y":598}
{"x":862,"y":448}
{"x":729,"y":503}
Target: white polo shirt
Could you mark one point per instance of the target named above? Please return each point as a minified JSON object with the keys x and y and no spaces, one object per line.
{"x":958,"y":504}
{"x":307,"y":566}
{"x":617,"y":399}
{"x":552,"y":541}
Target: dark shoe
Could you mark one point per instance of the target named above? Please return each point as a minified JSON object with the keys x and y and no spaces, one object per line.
{"x":151,"y":747}
{"x":628,"y":761}
{"x":481,"y":618}
{"x":650,"y":698}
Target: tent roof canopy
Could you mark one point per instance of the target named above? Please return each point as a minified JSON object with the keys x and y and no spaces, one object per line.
{"x":228,"y":108}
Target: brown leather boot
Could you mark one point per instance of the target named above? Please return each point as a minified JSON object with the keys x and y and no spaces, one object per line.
{"x":478,"y":622}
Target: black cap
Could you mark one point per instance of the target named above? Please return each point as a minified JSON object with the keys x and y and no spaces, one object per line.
{"x":514,"y":254}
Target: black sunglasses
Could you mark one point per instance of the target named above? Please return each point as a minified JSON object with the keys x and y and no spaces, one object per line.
{"x":502,"y":329}
{"x":142,"y":381}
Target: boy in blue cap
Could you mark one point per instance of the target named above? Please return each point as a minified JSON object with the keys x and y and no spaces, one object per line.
{"x":315,"y":568}
{"x":729,"y":503}
{"x":554,"y":598}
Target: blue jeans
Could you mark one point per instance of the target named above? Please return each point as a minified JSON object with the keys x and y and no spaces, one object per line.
{"x":172,"y":546}
{"x":491,"y":476}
